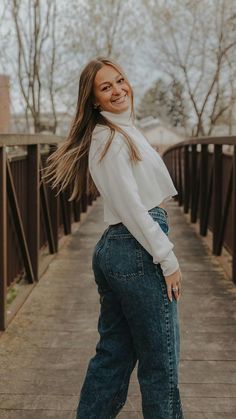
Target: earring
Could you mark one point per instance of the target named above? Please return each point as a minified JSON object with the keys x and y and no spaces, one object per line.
{"x":95,"y":106}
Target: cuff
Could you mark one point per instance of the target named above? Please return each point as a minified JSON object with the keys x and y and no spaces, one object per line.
{"x":170,"y":264}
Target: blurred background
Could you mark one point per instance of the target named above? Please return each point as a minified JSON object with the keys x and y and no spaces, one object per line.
{"x":178,"y":55}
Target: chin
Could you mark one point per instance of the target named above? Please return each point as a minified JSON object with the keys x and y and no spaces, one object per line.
{"x":121,"y":109}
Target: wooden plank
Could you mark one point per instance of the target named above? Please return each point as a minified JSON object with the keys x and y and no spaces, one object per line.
{"x":29,"y":139}
{"x":76,"y":210}
{"x":217,"y":196}
{"x":54,"y":211}
{"x":174,"y":169}
{"x":203,"y":186}
{"x":84,"y":202}
{"x":33,"y":206}
{"x":207,"y":203}
{"x":62,"y":333}
{"x":225,"y":214}
{"x":19,"y":228}
{"x":53,"y":200}
{"x":47,"y":216}
{"x":194,"y":178}
{"x":187,"y":179}
{"x":64,"y":212}
{"x":180,"y":183}
{"x":202,"y":140}
{"x":3,"y":240}
{"x":234,"y":217}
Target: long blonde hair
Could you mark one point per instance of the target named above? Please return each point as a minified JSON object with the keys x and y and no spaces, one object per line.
{"x":69,"y":163}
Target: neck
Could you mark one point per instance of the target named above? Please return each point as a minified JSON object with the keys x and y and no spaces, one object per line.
{"x":123,"y":118}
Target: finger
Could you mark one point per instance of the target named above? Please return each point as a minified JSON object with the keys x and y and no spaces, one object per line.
{"x":179,"y":289}
{"x":169,"y":291}
{"x":176,"y":293}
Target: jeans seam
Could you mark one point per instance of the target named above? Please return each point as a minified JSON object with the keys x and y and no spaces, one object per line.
{"x":169,"y":350}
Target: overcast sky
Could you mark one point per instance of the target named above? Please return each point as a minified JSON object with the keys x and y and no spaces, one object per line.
{"x":140,"y":68}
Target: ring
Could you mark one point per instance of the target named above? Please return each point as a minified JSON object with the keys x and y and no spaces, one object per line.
{"x":175,"y":289}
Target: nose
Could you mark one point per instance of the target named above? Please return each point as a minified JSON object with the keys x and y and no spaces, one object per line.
{"x":117,"y":89}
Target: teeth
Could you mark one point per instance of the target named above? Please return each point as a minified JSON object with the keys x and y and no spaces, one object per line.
{"x":121,"y":99}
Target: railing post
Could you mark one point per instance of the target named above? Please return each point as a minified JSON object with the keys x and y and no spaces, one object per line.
{"x":217,"y":196}
{"x":194,"y":183}
{"x":65,"y":209}
{"x":33,"y":207}
{"x":54,"y":212}
{"x":234,"y":217}
{"x":84,"y":201}
{"x":203,"y":186}
{"x":76,"y":207}
{"x":54,"y":207}
{"x":3,"y":236}
{"x":175,"y":170}
{"x":186,"y":178}
{"x":180,"y":182}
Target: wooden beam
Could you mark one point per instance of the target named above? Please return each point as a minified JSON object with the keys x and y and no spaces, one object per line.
{"x":187,"y":179}
{"x":234,"y":217}
{"x":47,"y":216}
{"x":203,"y":185}
{"x":33,"y":206}
{"x":29,"y":139}
{"x":3,"y":236}
{"x":217,"y":196}
{"x":19,"y":228}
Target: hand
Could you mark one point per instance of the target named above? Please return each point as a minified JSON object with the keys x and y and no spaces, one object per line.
{"x":173,"y":283}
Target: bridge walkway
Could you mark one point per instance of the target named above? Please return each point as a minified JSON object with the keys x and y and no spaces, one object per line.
{"x":46,"y":348}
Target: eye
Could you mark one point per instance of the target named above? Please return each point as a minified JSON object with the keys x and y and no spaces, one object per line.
{"x":105,"y":87}
{"x":121,"y":80}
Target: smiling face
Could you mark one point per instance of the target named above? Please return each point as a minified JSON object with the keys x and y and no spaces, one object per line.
{"x":111,"y":91}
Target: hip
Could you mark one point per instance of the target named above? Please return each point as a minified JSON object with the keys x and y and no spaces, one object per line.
{"x":119,"y":253}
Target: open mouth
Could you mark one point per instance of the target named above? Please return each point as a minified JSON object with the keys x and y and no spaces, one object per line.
{"x":121,"y":99}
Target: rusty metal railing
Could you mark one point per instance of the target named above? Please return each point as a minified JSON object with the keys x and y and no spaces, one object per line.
{"x":204,"y":172}
{"x":31,"y":217}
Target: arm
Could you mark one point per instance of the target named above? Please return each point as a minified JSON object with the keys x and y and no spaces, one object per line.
{"x":121,"y":191}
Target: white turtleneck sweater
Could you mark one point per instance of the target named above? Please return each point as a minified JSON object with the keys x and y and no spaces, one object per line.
{"x":130,"y":189}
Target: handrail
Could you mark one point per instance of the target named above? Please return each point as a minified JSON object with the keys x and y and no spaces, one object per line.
{"x":29,"y":139}
{"x":31,"y":216}
{"x":206,"y":184}
{"x":230,"y":140}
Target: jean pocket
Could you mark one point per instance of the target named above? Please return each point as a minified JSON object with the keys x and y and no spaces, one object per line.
{"x":124,"y":258}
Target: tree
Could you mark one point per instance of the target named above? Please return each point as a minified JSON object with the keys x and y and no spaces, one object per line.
{"x":195,"y":41}
{"x":4,"y":33}
{"x":35,"y":27}
{"x":177,"y":105}
{"x":105,"y":27}
{"x":164,"y":101}
{"x":108,"y":28}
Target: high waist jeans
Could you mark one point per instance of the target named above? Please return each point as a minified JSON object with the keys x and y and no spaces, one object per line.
{"x":137,"y":323}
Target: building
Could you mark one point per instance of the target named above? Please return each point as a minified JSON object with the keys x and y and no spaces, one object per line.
{"x":159,"y":135}
{"x":19,"y":124}
{"x":5,"y":116}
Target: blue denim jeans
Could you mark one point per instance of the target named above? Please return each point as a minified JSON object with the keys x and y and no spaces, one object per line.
{"x":137,"y":323}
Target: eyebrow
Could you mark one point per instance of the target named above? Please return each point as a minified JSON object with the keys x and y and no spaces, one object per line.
{"x":104,"y":82}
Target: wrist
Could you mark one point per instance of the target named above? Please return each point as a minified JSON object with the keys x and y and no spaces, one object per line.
{"x":170,"y":264}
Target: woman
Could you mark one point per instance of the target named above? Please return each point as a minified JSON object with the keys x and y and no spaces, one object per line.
{"x":135,"y":268}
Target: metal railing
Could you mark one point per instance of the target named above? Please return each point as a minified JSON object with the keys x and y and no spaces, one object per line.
{"x":31,"y":216}
{"x":205,"y":176}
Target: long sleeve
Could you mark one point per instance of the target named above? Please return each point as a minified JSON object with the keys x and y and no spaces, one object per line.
{"x":120,"y":189}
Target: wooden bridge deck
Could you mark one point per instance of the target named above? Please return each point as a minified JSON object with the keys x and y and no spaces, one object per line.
{"x":45,"y":350}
